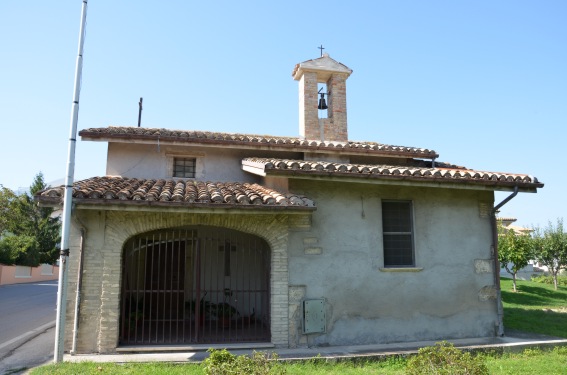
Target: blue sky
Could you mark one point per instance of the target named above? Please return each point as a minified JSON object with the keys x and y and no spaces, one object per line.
{"x":484,"y":83}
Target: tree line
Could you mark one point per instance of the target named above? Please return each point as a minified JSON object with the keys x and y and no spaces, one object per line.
{"x":29,"y":234}
{"x":547,"y":246}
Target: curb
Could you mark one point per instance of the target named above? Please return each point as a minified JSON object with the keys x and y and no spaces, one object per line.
{"x":23,"y":338}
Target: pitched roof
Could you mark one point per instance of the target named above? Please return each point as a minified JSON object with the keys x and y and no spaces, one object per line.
{"x":323,"y":64}
{"x":294,"y":144}
{"x":442,"y":173}
{"x":186,"y":193}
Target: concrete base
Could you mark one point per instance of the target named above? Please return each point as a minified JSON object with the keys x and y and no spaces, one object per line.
{"x":516,"y":343}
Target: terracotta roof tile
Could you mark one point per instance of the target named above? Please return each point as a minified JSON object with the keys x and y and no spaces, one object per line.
{"x":252,"y":140}
{"x":442,"y":173}
{"x":510,"y":219}
{"x":175,"y":192}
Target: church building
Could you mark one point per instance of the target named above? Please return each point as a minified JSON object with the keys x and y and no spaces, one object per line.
{"x":196,"y":238}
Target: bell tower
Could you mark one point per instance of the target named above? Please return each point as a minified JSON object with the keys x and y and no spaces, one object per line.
{"x":329,"y":100}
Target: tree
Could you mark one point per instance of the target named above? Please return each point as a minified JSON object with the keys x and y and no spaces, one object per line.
{"x":29,"y":235}
{"x":20,"y":250}
{"x":7,"y":196}
{"x":514,"y":251}
{"x":551,"y":248}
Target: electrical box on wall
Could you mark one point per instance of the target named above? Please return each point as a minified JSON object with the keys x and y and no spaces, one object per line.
{"x":314,"y":320}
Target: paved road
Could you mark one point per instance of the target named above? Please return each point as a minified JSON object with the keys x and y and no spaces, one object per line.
{"x":28,"y":313}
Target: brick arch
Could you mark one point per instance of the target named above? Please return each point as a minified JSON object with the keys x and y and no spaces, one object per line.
{"x":121,"y":226}
{"x":272,"y":228}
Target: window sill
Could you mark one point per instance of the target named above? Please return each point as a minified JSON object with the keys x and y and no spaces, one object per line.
{"x":401,"y":269}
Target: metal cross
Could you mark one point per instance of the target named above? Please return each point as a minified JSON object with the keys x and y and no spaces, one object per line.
{"x":321,"y":48}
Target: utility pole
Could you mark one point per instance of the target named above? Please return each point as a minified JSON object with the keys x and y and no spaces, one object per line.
{"x":68,"y":200}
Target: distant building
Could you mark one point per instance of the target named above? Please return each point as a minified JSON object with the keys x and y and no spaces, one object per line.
{"x":507,"y":224}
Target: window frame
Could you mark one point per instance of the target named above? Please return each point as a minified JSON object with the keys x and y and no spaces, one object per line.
{"x":184,"y":159}
{"x":170,"y":157}
{"x":388,"y":264}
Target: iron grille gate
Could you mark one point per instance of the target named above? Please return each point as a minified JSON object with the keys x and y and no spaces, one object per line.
{"x":195,"y":285}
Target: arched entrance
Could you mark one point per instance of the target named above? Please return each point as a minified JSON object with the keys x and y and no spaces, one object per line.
{"x":195,"y":285}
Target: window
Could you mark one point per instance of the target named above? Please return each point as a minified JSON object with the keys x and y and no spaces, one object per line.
{"x":184,"y":167}
{"x":46,"y":270}
{"x":23,"y":271}
{"x":398,"y":233}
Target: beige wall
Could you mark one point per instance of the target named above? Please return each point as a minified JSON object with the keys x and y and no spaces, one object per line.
{"x":106,"y":233}
{"x":213,"y":164}
{"x":20,"y":274}
{"x":449,"y":294}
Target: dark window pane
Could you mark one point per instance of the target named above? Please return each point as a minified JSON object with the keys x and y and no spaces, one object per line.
{"x":396,"y":216}
{"x":397,"y":233}
{"x":398,"y":250}
{"x":184,"y":167}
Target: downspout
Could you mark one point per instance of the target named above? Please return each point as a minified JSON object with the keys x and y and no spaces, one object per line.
{"x":78,"y":293}
{"x":499,"y":306}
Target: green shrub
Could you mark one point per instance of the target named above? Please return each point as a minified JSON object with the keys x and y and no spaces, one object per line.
{"x":444,"y":358}
{"x":222,"y":362}
{"x":561,"y":280}
{"x":532,"y":352}
{"x":560,"y":350}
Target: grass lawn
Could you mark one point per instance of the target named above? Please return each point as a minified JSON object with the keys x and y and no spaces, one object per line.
{"x":535,"y":307}
{"x":527,"y":363}
{"x":346,"y":368}
{"x":531,"y":361}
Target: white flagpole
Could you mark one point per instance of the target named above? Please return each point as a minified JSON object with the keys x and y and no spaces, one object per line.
{"x":66,"y":221}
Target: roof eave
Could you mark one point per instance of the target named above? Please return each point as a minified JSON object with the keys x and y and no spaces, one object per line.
{"x":166,"y":140}
{"x":437,"y":182}
{"x":143,"y":205}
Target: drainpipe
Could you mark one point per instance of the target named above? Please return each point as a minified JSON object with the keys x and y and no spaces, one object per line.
{"x":499,"y":306}
{"x":78,"y":293}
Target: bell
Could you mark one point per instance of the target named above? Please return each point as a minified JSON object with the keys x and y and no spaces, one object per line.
{"x":322,"y":103}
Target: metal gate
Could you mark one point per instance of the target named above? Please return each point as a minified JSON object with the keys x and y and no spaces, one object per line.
{"x":195,"y":285}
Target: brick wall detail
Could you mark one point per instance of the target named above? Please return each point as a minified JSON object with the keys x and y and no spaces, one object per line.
{"x":308,"y":112}
{"x":332,"y":128}
{"x":101,"y":285}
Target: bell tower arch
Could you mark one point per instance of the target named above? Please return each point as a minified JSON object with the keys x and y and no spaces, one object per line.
{"x":333,"y":75}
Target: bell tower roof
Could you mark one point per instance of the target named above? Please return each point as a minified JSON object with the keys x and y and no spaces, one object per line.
{"x":324,"y":66}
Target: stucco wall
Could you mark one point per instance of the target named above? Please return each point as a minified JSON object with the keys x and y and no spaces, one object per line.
{"x":153,"y":161}
{"x":449,"y":294}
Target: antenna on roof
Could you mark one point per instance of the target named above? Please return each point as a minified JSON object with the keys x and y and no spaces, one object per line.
{"x":140,"y":112}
